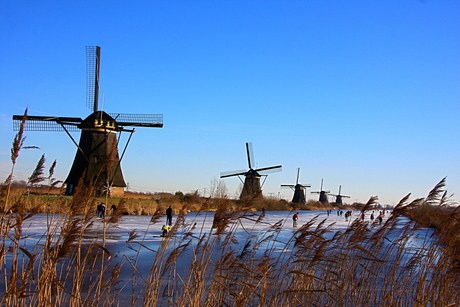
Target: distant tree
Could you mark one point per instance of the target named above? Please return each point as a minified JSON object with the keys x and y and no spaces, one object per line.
{"x":19,"y":184}
{"x":218,"y":189}
{"x":193,"y":197}
{"x":180,"y":196}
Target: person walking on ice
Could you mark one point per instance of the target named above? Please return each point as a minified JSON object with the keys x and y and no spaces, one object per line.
{"x":295,"y":217}
{"x":169,"y":216}
{"x":101,"y":210}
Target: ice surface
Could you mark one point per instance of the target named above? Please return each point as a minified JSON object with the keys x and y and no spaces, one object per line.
{"x":138,"y":254}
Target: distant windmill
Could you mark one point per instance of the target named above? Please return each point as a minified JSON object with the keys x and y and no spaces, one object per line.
{"x":322,"y":194}
{"x":251,"y":187}
{"x":338,"y":197}
{"x":299,"y":190}
{"x":96,"y":162}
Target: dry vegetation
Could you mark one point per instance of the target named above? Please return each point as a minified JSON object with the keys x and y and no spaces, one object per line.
{"x":368,"y":264}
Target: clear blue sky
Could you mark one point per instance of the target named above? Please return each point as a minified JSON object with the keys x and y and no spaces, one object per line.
{"x":364,"y":94}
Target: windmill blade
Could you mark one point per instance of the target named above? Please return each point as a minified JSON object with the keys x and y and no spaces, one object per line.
{"x":233,"y":173}
{"x":306,"y":185}
{"x":250,"y":154}
{"x":46,"y":123}
{"x":93,"y":56}
{"x":138,"y":120}
{"x":288,"y":186}
{"x":270,"y":169}
{"x":298,"y":173}
{"x":319,"y":192}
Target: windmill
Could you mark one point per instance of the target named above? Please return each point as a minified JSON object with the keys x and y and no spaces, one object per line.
{"x":251,"y":187}
{"x":322,"y":194}
{"x":299,"y":190}
{"x":96,"y":162}
{"x":338,"y":197}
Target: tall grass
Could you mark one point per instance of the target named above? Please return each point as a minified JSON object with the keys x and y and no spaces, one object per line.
{"x":241,"y":260}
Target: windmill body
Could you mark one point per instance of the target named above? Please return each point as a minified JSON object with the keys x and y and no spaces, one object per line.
{"x":299,"y":190}
{"x":252,"y":187}
{"x":299,"y":194}
{"x":97,"y":162}
{"x":322,"y":194}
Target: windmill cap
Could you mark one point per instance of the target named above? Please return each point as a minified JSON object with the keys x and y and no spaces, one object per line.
{"x":99,"y":119}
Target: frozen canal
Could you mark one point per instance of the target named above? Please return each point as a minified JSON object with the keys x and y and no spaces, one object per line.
{"x":135,"y":242}
{"x":249,"y":227}
{"x":115,"y":236}
{"x":112,"y":235}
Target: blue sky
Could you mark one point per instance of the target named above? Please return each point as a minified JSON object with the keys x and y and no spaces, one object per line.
{"x":363,"y":94}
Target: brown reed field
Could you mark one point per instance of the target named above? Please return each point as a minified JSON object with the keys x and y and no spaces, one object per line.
{"x":368,"y":264}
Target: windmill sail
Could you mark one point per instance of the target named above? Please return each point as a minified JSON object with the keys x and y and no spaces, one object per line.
{"x":46,"y":123}
{"x":138,"y":120}
{"x":93,"y":64}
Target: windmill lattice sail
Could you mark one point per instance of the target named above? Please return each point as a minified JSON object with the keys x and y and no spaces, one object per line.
{"x":47,"y":123}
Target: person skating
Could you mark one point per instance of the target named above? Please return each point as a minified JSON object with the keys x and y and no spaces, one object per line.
{"x":295,"y":217}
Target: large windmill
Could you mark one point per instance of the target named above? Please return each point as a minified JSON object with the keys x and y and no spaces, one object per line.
{"x":299,"y":190}
{"x":96,"y":162}
{"x":322,"y":194}
{"x":338,"y":197}
{"x":251,"y":187}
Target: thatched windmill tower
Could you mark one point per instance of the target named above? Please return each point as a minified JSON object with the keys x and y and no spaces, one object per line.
{"x":252,"y":187}
{"x":339,"y":197}
{"x":96,"y":163}
{"x":322,"y":194}
{"x":299,"y":190}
